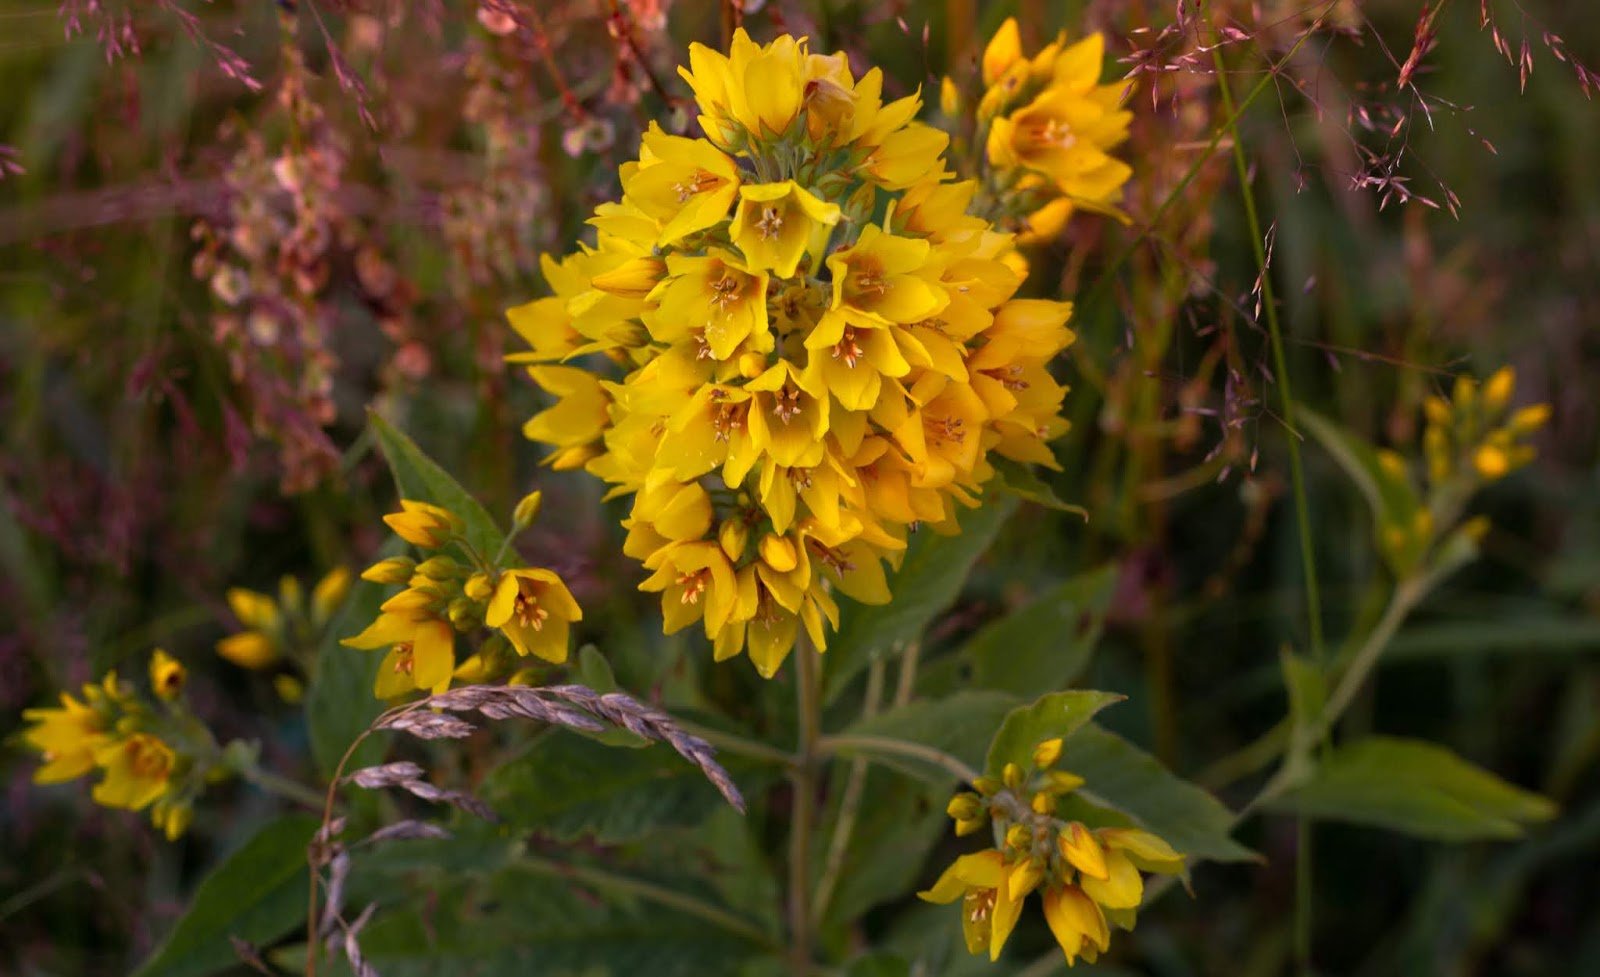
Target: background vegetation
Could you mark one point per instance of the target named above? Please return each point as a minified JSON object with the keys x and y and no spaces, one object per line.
{"x":1429,"y":210}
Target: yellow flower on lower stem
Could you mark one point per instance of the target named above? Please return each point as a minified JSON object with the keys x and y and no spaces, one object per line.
{"x":991,"y":893}
{"x":421,"y":649}
{"x":137,"y":770}
{"x":1076,"y":922}
{"x":533,"y":608}
{"x":66,"y":738}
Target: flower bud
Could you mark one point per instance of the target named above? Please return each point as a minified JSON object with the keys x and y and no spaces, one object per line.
{"x":1491,"y":462}
{"x":1012,"y":776}
{"x":1047,"y":753}
{"x":1437,"y":410}
{"x":732,"y":537}
{"x":778,"y":552}
{"x":167,"y":675}
{"x":527,"y":510}
{"x":987,"y":786}
{"x":1018,"y":837}
{"x":479,"y":587}
{"x":949,"y":97}
{"x":1528,"y":419}
{"x":964,"y":806}
{"x":1061,"y":782}
{"x":968,"y":826}
{"x":439,"y":567}
{"x":752,"y":365}
{"x":394,"y":570}
{"x":1497,"y":390}
{"x":1043,"y":803}
{"x":463,"y":614}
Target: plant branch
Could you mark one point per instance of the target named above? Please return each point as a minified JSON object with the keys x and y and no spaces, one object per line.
{"x":803,"y":778}
{"x":889,"y":746}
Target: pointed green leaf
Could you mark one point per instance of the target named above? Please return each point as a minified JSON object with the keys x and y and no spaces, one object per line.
{"x":1416,"y":788}
{"x":1057,"y":715}
{"x":1122,"y":776}
{"x":256,"y":894}
{"x":1046,"y":644}
{"x":420,"y":478}
{"x":1022,"y":481}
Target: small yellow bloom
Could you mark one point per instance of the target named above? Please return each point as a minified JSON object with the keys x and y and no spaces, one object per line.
{"x":167,"y":675}
{"x":66,"y":738}
{"x":776,"y":223}
{"x":249,"y":649}
{"x":421,"y":647}
{"x":137,"y":769}
{"x":687,"y":185}
{"x":328,"y":594}
{"x":989,"y":910}
{"x":1077,"y":923}
{"x":533,"y":608}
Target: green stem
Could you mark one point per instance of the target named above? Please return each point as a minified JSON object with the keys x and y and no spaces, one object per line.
{"x":803,"y":778}
{"x":889,"y":746}
{"x":661,"y":895}
{"x":282,"y":786}
{"x":1280,"y":364}
{"x":849,"y":803}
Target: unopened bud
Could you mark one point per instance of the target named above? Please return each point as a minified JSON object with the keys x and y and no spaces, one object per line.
{"x":394,"y":570}
{"x":778,"y":552}
{"x":479,"y":587}
{"x":968,"y":826}
{"x":527,"y":510}
{"x":1497,"y":389}
{"x":964,"y":806}
{"x":1491,"y":462}
{"x":1012,"y":776}
{"x":439,"y":567}
{"x":732,"y":537}
{"x":463,"y":614}
{"x":1529,"y":419}
{"x":987,"y":786}
{"x":752,"y":365}
{"x":1437,"y":410}
{"x":1061,"y":782}
{"x":1465,"y":393}
{"x":1047,"y":753}
{"x":949,"y":97}
{"x":1043,"y":803}
{"x":1018,"y":837}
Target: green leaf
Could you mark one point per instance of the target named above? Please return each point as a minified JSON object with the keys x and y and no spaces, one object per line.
{"x":1393,"y":499}
{"x":928,"y":582}
{"x":420,"y":478}
{"x":257,"y":894}
{"x":593,"y":670}
{"x":1121,"y":775}
{"x":959,"y":725}
{"x":1058,"y":714}
{"x":1046,"y":644}
{"x":889,"y":848}
{"x":525,"y":924}
{"x":573,"y":787}
{"x":1022,"y":481}
{"x":1416,"y":788}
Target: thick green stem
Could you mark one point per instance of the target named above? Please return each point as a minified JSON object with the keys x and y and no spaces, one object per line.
{"x":849,"y":803}
{"x":808,"y":709}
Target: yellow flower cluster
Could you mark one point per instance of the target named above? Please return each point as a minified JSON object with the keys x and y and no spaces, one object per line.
{"x":1047,"y":127}
{"x":132,"y":745}
{"x":1088,"y":880}
{"x":1471,"y":439}
{"x":820,"y":347}
{"x":283,"y":630}
{"x":529,"y":606}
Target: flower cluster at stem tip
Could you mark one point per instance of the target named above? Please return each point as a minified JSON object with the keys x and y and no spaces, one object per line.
{"x":1088,"y":879}
{"x":818,"y":343}
{"x":1046,"y":128}
{"x":284,"y":632}
{"x":149,"y":755}
{"x":529,"y":610}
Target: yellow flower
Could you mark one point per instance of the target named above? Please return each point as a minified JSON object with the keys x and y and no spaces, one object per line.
{"x":66,"y":738}
{"x":990,"y":908}
{"x":1077,"y":923}
{"x":167,"y":675}
{"x":534,"y":608}
{"x":789,"y":387}
{"x":423,"y":524}
{"x":137,"y":769}
{"x":686,"y":185}
{"x":715,"y":301}
{"x":776,"y":223}
{"x":421,"y":646}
